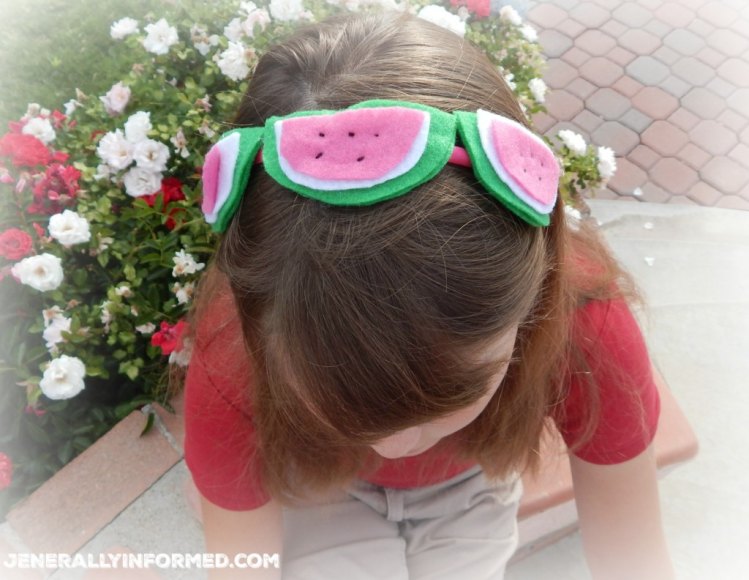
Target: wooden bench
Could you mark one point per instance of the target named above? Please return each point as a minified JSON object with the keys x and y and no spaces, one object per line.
{"x":547,"y":510}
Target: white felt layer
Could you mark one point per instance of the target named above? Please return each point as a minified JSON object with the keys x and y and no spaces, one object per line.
{"x":484,"y":120}
{"x":229,"y":149}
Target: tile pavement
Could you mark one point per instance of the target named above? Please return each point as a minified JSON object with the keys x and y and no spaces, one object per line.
{"x":663,"y":83}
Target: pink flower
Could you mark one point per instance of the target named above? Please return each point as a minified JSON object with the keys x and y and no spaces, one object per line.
{"x":6,"y":471}
{"x":169,"y":337}
{"x":15,"y":244}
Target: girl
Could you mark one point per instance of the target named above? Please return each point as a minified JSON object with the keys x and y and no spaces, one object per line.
{"x":377,"y":354}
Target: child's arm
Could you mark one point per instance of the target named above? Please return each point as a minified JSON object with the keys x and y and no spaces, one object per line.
{"x":620,"y":519}
{"x":257,"y":531}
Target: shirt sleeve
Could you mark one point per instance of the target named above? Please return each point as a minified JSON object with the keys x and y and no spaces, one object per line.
{"x":615,"y":354}
{"x":220,"y":440}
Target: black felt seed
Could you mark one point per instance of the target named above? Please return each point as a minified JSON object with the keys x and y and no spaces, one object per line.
{"x":322,"y":134}
{"x":351,"y":134}
{"x":318,"y":156}
{"x":361,"y":158}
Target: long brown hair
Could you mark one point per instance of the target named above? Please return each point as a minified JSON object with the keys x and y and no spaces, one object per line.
{"x":361,"y":321}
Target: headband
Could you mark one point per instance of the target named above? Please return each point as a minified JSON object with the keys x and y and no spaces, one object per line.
{"x":377,"y":150}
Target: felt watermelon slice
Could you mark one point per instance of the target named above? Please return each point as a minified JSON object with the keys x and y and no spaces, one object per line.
{"x":373,"y":151}
{"x":515,"y":165}
{"x":225,"y":173}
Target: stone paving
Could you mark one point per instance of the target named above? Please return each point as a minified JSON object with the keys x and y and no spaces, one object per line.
{"x":664,"y":84}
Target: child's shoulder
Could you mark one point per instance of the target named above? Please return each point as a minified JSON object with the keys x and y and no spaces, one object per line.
{"x":219,"y":361}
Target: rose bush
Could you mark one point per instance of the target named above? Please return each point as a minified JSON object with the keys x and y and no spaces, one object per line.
{"x":102,"y":240}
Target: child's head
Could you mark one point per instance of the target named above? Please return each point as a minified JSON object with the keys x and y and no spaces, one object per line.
{"x":364,"y":323}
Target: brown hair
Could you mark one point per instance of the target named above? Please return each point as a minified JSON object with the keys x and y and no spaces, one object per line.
{"x":361,"y":321}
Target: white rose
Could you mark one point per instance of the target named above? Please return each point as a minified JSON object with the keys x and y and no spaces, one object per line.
{"x":103,"y":171}
{"x":233,"y":31}
{"x":200,"y":39}
{"x":510,"y":80}
{"x":106,"y":315}
{"x":123,"y":291}
{"x":574,"y":141}
{"x":63,"y":378}
{"x":182,"y":357}
{"x":529,"y":33}
{"x":184,"y":293}
{"x":509,"y":14}
{"x":180,"y":143}
{"x":146,"y":328}
{"x":69,"y":228}
{"x":151,"y":155}
{"x":137,"y":126}
{"x":538,"y":88}
{"x":442,"y":17}
{"x":116,"y":98}
{"x":32,"y":110}
{"x":606,"y":162}
{"x":115,"y":150}
{"x":53,"y":332}
{"x":41,"y":129}
{"x":139,"y":181}
{"x":256,"y":17}
{"x":185,"y":263}
{"x":247,"y":7}
{"x":49,"y":314}
{"x":43,"y":272}
{"x":233,"y":61}
{"x":203,"y":47}
{"x":160,"y":36}
{"x":287,"y":10}
{"x":71,"y":106}
{"x":123,"y":27}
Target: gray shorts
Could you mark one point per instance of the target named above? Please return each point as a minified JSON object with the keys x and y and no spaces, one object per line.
{"x":462,"y":528}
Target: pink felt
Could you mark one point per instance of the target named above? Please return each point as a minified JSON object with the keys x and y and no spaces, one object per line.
{"x":460,"y":157}
{"x":210,"y":179}
{"x":358,"y":144}
{"x":527,"y":160}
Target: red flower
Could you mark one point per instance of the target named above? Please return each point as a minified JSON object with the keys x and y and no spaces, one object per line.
{"x":39,"y":231}
{"x":57,"y":119}
{"x":55,"y":190}
{"x":481,"y":8}
{"x":31,"y":409}
{"x":24,"y":150}
{"x":15,"y":244}
{"x":6,"y":471}
{"x":169,"y":338}
{"x":171,"y":190}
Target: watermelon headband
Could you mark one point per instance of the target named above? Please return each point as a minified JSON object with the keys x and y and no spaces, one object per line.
{"x":377,"y":150}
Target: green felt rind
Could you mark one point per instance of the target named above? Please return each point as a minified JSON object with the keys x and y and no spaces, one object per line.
{"x":250,"y":142}
{"x":468,"y":130}
{"x":440,"y":143}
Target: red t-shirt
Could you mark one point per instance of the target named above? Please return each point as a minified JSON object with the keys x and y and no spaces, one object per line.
{"x":220,"y":437}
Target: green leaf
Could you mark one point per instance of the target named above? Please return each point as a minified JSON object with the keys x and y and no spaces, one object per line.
{"x":129,"y":272}
{"x":149,"y":423}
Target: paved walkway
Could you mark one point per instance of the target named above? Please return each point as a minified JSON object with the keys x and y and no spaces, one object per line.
{"x":664,"y":84}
